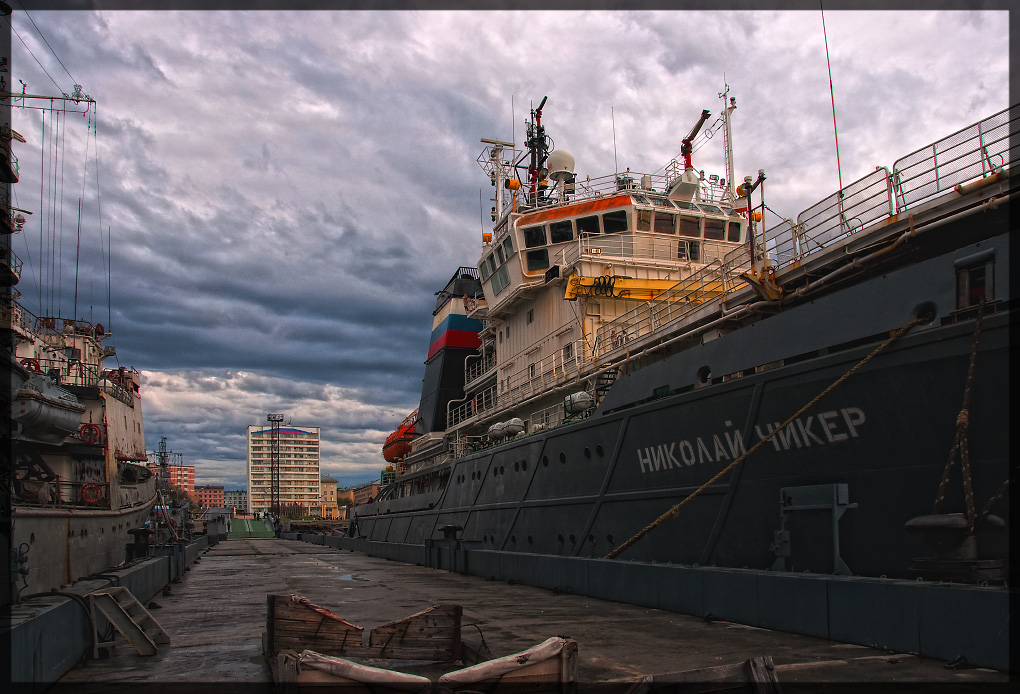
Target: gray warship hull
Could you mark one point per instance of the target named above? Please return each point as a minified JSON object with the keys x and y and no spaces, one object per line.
{"x":879,"y":441}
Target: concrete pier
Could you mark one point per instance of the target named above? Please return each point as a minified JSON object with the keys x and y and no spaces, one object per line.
{"x":216,"y":616}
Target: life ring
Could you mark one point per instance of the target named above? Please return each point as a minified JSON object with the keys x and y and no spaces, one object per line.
{"x":90,"y":433}
{"x":91,"y":493}
{"x":32,"y":365}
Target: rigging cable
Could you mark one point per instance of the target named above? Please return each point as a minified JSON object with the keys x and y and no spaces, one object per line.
{"x":832,"y":96}
{"x":107,"y":261}
{"x":42,"y":220}
{"x":32,"y":54}
{"x":23,"y":9}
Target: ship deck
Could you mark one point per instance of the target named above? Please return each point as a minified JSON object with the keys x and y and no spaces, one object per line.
{"x":216,"y":615}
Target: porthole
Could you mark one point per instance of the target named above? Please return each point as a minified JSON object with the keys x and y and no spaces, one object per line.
{"x":513,"y":539}
{"x":545,"y":460}
{"x":573,"y":540}
{"x":563,"y":457}
{"x":587,"y":453}
{"x":559,"y":538}
{"x":502,"y":471}
{"x":517,"y":467}
{"x":495,"y":472}
{"x":524,"y":465}
{"x":600,"y":450}
{"x":609,"y":538}
{"x":926,"y":312}
{"x":704,"y":376}
{"x":31,"y":539}
{"x":531,"y":540}
{"x":591,"y":539}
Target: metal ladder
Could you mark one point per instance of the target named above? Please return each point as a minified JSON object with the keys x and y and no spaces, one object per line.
{"x":130,"y":618}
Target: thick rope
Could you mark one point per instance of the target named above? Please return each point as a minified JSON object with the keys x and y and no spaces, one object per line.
{"x":960,"y":442}
{"x":675,"y":509}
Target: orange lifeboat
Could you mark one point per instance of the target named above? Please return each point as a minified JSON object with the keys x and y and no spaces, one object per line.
{"x":398,"y":444}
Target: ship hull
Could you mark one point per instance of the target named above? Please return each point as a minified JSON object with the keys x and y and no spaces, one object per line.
{"x":885,"y":433}
{"x":65,"y":544}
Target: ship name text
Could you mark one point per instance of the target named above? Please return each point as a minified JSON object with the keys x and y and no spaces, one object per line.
{"x":822,"y":429}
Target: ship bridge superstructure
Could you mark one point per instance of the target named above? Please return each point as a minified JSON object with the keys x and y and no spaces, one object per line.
{"x":582,"y":280}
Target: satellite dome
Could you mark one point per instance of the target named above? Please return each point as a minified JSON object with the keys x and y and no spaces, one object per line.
{"x":561,"y":164}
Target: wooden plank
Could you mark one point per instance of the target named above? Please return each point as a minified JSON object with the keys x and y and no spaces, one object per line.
{"x":756,"y":675}
{"x":549,"y":666}
{"x":432,"y":634}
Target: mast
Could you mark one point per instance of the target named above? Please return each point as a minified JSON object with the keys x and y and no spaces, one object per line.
{"x":536,"y":145}
{"x":728,"y":195}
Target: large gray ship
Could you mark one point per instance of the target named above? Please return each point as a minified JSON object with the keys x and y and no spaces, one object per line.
{"x":641,"y":369}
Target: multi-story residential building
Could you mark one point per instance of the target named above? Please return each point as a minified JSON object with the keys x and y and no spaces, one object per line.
{"x":299,"y":467}
{"x":209,"y":495}
{"x":366,"y":493}
{"x":236,"y":499}
{"x":180,"y":476}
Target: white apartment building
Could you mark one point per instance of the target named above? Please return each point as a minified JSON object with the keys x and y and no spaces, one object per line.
{"x":299,"y":466}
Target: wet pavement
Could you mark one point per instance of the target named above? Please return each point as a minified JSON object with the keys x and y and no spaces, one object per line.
{"x":215,"y":618}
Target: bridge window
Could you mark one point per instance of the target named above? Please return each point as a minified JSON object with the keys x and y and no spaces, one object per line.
{"x":690,"y":226}
{"x":588,"y":225}
{"x":689,"y":250}
{"x":534,"y":236}
{"x":499,"y":254}
{"x":665,"y":223}
{"x":561,"y":231}
{"x":734,"y":231}
{"x":715,"y":229}
{"x":644,"y":220}
{"x":508,"y":246}
{"x":538,"y":260}
{"x":615,"y":221}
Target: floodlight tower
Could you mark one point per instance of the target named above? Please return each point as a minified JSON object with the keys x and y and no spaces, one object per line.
{"x":274,"y":462}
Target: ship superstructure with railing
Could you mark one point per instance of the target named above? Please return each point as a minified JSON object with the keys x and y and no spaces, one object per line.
{"x":583,"y":281}
{"x":567,"y":261}
{"x":77,"y":460}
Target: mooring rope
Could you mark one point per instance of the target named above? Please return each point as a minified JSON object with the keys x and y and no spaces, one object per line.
{"x":675,"y":509}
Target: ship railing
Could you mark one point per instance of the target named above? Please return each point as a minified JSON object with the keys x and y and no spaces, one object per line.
{"x":619,"y":183}
{"x":12,"y":261}
{"x":72,"y":372}
{"x":710,"y":284}
{"x":540,"y":375}
{"x":829,"y":221}
{"x":482,"y":402}
{"x":630,"y":245}
{"x":977,"y":151}
{"x":546,"y":418}
{"x":974,"y":152}
{"x":62,"y":493}
{"x":479,"y":368}
{"x":653,"y":248}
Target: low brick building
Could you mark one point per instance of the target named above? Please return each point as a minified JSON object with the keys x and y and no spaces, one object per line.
{"x":210,"y":496}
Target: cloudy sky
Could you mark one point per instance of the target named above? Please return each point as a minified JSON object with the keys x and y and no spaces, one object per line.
{"x":284,"y":192}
